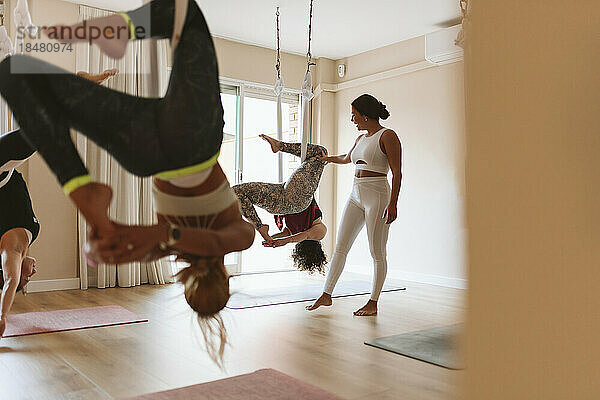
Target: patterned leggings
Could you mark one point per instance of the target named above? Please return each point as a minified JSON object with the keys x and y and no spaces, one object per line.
{"x":145,"y":135}
{"x":290,"y":197}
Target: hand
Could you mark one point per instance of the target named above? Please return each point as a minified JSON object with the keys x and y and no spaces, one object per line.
{"x":323,"y":157}
{"x":277,"y":242}
{"x":264,"y":232}
{"x":127,"y":244}
{"x":390,"y":214}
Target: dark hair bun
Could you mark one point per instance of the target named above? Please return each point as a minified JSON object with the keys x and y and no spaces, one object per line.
{"x":384,"y":113}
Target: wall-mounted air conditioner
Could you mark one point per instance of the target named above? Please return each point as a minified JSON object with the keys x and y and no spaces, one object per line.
{"x":440,"y":48}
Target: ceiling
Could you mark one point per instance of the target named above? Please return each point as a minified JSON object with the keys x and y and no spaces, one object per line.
{"x":341,"y":28}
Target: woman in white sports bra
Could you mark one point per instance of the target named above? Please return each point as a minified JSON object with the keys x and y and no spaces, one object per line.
{"x":372,"y":202}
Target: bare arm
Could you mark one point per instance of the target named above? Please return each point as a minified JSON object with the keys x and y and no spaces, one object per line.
{"x":142,"y":243}
{"x":284,"y":233}
{"x":316,"y":232}
{"x":391,"y":146}
{"x":343,"y":158}
{"x":236,"y":236}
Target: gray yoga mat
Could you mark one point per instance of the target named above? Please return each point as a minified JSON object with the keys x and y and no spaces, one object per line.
{"x":299,"y":293}
{"x":437,"y":346}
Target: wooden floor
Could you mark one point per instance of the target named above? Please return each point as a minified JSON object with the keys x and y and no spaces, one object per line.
{"x":324,"y":348}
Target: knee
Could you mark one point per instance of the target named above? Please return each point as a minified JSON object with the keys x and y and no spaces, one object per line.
{"x":237,"y":189}
{"x":341,"y":250}
{"x":13,"y":243}
{"x":378,"y":254}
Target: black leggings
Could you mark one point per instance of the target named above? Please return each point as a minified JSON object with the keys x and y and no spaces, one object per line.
{"x":145,"y":135}
{"x":14,"y":147}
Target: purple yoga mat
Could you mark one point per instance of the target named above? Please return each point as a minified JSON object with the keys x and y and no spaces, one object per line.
{"x":264,"y":384}
{"x":68,"y":320}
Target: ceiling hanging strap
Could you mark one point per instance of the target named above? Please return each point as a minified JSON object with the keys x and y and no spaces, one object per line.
{"x":307,"y":90}
{"x":23,"y":23}
{"x":278,"y":88}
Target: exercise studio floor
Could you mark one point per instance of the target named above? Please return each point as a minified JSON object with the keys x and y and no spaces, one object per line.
{"x":324,"y":348}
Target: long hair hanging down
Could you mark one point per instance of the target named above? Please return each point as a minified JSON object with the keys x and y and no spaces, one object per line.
{"x":206,"y":289}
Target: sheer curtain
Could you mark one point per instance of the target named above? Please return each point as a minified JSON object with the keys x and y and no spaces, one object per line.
{"x":132,"y":196}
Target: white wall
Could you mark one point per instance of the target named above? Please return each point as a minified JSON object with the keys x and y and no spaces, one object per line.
{"x":427,"y":242}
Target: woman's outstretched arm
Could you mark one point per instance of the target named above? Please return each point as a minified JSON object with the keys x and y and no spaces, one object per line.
{"x":315,"y":232}
{"x":341,"y":159}
{"x":142,"y":243}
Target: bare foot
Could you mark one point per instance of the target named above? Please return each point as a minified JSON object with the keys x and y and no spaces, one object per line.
{"x":93,"y":200}
{"x":324,"y":300}
{"x":27,"y":270}
{"x":113,"y":43}
{"x":275,"y":144}
{"x":2,"y":327}
{"x":367,"y":310}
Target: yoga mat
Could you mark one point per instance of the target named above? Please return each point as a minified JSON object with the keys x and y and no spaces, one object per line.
{"x":437,"y":346}
{"x":249,"y":298}
{"x":264,"y":384}
{"x":68,"y":320}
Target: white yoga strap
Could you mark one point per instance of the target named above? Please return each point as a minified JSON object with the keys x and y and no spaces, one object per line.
{"x":307,"y":96}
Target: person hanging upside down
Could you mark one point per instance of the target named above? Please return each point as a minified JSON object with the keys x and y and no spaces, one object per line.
{"x":19,"y":226}
{"x":293,"y":203}
{"x":176,"y":139}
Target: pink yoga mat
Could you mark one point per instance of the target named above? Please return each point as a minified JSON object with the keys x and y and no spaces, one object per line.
{"x":265,"y":384}
{"x":68,"y":320}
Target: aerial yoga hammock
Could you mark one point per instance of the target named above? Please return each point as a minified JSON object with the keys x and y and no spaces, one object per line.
{"x":176,"y":139}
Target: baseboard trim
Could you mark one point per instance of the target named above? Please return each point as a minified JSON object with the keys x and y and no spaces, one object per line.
{"x":416,"y":277}
{"x":53,"y":284}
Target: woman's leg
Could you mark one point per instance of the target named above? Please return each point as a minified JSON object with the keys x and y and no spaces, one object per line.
{"x":14,"y":147}
{"x":304,"y":181}
{"x":353,"y":220}
{"x":268,"y":196}
{"x":375,"y":202}
{"x":13,"y":249}
{"x":146,"y":136}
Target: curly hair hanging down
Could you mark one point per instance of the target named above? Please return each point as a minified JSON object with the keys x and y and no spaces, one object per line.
{"x":308,"y":255}
{"x":206,"y":288}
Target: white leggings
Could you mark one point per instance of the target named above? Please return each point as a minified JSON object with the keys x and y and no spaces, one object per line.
{"x":367,"y":203}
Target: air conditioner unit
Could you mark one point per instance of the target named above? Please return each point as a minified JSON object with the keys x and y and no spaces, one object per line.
{"x":440,"y":48}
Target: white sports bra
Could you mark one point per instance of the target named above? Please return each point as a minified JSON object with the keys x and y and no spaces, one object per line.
{"x":367,"y":155}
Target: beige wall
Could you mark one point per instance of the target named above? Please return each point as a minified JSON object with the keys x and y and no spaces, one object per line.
{"x":257,"y":64}
{"x":427,"y":243}
{"x":533,"y":174}
{"x":56,"y":247}
{"x":383,"y":59}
